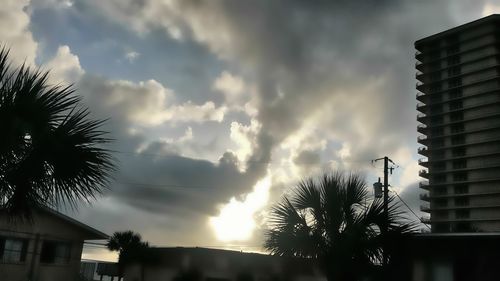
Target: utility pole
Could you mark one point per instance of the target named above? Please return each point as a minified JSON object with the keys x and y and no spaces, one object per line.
{"x":386,"y":205}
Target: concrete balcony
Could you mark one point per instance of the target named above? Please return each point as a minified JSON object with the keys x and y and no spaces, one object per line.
{"x":423,"y":162}
{"x":424,"y":197}
{"x":425,"y":220}
{"x":425,"y":208}
{"x":423,"y":185}
{"x":423,"y":150}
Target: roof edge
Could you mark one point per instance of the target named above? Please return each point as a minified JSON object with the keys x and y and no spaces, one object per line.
{"x":458,"y":28}
{"x":99,"y":234}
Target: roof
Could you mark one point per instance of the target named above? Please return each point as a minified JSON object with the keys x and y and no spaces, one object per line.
{"x":93,"y":233}
{"x":458,"y":28}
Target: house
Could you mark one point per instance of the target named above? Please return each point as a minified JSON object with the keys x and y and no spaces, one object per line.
{"x":48,"y":247}
{"x":199,"y":264}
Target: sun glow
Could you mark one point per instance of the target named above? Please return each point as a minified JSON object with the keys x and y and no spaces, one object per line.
{"x":235,"y":221}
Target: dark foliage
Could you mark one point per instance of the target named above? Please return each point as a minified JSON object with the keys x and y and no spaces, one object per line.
{"x":334,"y":221}
{"x":50,"y":151}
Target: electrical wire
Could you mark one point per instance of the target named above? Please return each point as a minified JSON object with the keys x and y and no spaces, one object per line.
{"x":407,"y":206}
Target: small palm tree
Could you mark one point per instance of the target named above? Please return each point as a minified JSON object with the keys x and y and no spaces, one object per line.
{"x":50,"y":151}
{"x":334,"y":221}
{"x":131,"y":249}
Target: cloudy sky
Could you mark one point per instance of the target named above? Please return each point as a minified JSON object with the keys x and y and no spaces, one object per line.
{"x":219,"y":107}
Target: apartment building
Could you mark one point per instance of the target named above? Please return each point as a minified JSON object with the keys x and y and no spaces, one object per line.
{"x":458,"y":93}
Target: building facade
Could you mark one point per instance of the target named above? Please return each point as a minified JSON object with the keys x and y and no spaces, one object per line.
{"x":458,"y":93}
{"x":46,"y":248}
{"x":202,"y":264}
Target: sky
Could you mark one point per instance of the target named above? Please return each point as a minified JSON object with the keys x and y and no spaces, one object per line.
{"x":219,"y":107}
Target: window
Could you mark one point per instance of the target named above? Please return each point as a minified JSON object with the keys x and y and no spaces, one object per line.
{"x":440,"y":203}
{"x":439,"y":166}
{"x":453,"y":60}
{"x":452,"y":50}
{"x":455,"y":140}
{"x":435,"y":76}
{"x":456,"y":116}
{"x":455,"y":93}
{"x":455,"y":82}
{"x":13,"y":249}
{"x":437,"y":143}
{"x":454,"y":71}
{"x":460,"y":164}
{"x":439,"y":178}
{"x":55,"y":252}
{"x":462,"y":176}
{"x":462,"y":214}
{"x":440,"y":191}
{"x":459,"y":151}
{"x":457,"y":128}
{"x":461,"y":189}
{"x":461,"y":201}
{"x":437,"y":132}
{"x":436,"y":109}
{"x":454,"y":105}
{"x":438,"y":155}
{"x":437,"y":120}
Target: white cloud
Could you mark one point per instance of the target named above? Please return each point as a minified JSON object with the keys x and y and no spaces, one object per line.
{"x":132,"y":56}
{"x":244,"y":136}
{"x":64,"y":66}
{"x":15,"y":33}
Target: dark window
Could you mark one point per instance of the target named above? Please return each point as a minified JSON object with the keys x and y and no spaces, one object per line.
{"x":440,"y":203}
{"x":436,"y":109}
{"x":462,"y":176}
{"x":459,"y":151}
{"x":455,"y":93}
{"x":457,"y":128}
{"x":455,"y":140}
{"x":437,"y":119}
{"x":439,"y":166}
{"x":13,"y":249}
{"x":455,"y":82}
{"x":55,"y":252}
{"x":453,"y":60}
{"x":437,"y":132}
{"x":454,"y":71}
{"x":460,"y":164}
{"x":456,"y":116}
{"x":441,"y":227}
{"x":462,"y":214}
{"x":437,"y":143}
{"x":454,"y":105}
{"x":436,"y":98}
{"x":463,"y":227}
{"x":461,"y":189}
{"x":435,"y":76}
{"x":435,"y":88}
{"x":439,"y":178}
{"x":438,"y":155}
{"x":440,"y":191}
{"x":462,"y":201}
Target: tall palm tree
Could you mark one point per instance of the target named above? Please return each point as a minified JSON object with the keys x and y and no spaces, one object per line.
{"x":131,"y":249}
{"x":51,"y":153}
{"x":334,"y":221}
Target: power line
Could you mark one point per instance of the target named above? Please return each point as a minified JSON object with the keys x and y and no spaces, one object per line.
{"x":407,"y":206}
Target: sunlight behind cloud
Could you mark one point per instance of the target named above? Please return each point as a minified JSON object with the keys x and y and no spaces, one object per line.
{"x":235,"y":221}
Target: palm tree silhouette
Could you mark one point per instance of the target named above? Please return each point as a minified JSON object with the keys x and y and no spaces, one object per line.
{"x":334,"y":221}
{"x":51,"y":153}
{"x":131,"y":249}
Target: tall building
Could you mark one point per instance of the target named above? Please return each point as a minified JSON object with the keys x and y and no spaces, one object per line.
{"x":458,"y":73}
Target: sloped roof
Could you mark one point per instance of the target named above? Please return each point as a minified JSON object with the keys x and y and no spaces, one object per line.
{"x":93,"y":234}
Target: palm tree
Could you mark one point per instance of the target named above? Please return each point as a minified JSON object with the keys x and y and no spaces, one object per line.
{"x":51,"y":153}
{"x":334,"y":221}
{"x":131,"y":249}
